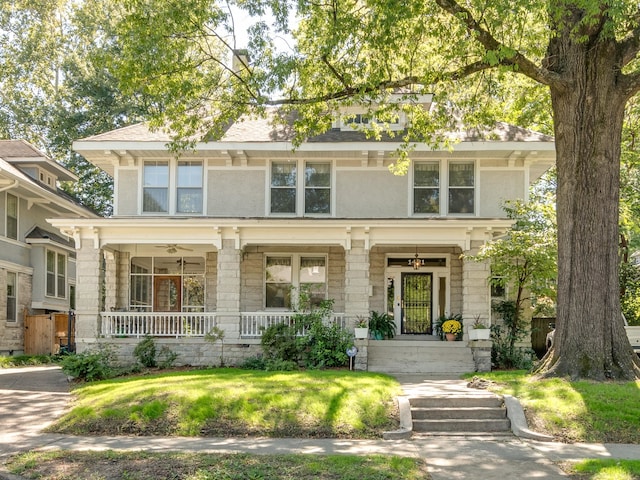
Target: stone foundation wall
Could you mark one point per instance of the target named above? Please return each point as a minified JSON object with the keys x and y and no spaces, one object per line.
{"x":191,"y":351}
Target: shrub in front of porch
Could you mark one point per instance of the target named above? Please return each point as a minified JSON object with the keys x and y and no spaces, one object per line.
{"x":311,"y":341}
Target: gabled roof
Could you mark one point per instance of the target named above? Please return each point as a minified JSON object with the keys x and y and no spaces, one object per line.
{"x":40,"y":235}
{"x":12,"y":178}
{"x":21,"y":153}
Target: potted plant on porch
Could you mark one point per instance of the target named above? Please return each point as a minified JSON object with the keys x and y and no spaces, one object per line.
{"x":449,"y":327}
{"x":479,"y":331}
{"x":382,"y":326}
{"x":361,"y":330}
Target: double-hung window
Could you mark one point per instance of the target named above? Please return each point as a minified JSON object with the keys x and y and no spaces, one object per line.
{"x":12,"y":297}
{"x":288,"y":276}
{"x":172,"y":187}
{"x":155,"y":196}
{"x":283,"y":187}
{"x":12,"y":216}
{"x":426,"y":187}
{"x":56,"y":280}
{"x":461,"y":187}
{"x":317,"y":188}
{"x":189,"y":191}
{"x":292,"y":192}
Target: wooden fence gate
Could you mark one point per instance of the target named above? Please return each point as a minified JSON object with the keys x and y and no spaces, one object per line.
{"x":45,"y":334}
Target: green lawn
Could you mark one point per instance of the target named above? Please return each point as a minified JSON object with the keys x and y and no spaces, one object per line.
{"x":606,"y":469}
{"x":60,"y":465}
{"x":233,"y":402}
{"x":575,"y":411}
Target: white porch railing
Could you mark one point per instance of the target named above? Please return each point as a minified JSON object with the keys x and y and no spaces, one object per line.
{"x":157,"y":324}
{"x":252,"y":324}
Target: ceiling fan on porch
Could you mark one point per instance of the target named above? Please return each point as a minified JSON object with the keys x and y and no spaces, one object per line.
{"x":172,"y":248}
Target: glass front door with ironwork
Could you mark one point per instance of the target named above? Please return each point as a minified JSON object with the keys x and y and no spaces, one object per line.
{"x":417,"y":300}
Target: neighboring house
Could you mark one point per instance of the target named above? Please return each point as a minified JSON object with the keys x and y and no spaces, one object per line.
{"x":37,"y":264}
{"x":227,"y":234}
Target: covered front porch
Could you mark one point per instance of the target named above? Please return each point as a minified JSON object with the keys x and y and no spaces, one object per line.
{"x":176,"y":282}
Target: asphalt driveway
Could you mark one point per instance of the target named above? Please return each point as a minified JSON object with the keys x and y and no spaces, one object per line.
{"x":31,"y":398}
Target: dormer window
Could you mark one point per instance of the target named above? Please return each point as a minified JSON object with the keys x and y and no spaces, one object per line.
{"x":353,"y":121}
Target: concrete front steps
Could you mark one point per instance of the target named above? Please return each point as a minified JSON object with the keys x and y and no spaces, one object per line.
{"x":398,"y":356}
{"x":458,"y":414}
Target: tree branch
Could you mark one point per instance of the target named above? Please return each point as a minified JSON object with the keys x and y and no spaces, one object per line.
{"x":490,"y":43}
{"x":630,"y":45}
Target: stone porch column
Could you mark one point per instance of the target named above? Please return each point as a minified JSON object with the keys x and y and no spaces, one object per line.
{"x":111,"y":281}
{"x":476,"y":301}
{"x":88,"y":293}
{"x":356,"y":282}
{"x":356,"y":294}
{"x":228,"y":290}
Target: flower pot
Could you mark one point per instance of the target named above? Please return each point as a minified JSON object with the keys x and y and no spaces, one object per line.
{"x":479,"y":334}
{"x":451,"y":337}
{"x":361,"y":332}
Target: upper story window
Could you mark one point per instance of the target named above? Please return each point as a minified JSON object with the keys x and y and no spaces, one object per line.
{"x":12,"y":296}
{"x":155,"y":195}
{"x":317,"y":187}
{"x":12,"y":216}
{"x":426,"y":187}
{"x":56,"y":281}
{"x":315,"y":183}
{"x":461,"y":187}
{"x":189,"y":192}
{"x":283,"y":187}
{"x":172,"y":187}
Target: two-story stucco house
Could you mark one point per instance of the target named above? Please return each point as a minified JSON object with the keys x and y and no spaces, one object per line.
{"x":228,"y":233}
{"x":37,"y":264}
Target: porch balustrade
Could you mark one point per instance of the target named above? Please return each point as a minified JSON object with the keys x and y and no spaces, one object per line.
{"x":252,"y":324}
{"x":193,"y":324}
{"x":157,"y":324}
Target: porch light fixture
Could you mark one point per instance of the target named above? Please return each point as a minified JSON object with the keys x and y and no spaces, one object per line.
{"x":416,"y":262}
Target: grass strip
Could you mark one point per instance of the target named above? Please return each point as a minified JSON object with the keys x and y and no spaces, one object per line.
{"x":232,"y":402}
{"x":112,"y":465}
{"x":609,"y":469}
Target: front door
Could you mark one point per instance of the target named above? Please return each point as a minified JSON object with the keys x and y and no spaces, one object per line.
{"x":417,"y":299}
{"x":167,"y":294}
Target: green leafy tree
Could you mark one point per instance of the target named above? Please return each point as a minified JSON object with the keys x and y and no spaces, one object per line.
{"x":579,"y":56}
{"x":55,"y":86}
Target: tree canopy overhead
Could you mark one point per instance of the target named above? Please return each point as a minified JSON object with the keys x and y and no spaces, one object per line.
{"x":483,"y":58}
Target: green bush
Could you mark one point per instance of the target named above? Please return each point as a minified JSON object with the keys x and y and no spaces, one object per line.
{"x":145,"y":352}
{"x":504,"y":353}
{"x":90,"y":365}
{"x":311,"y":341}
{"x":166,"y":357}
{"x":254,"y":363}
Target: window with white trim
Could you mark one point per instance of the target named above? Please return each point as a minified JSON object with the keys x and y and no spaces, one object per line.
{"x":426,"y":187}
{"x":317,"y":188}
{"x":56,"y":274}
{"x":12,"y":216}
{"x":461,"y":187}
{"x":288,"y":275}
{"x":155,"y":190}
{"x":283,"y":187}
{"x":313,"y":180}
{"x":189,"y":189}
{"x":12,"y":297}
{"x":173,"y":187}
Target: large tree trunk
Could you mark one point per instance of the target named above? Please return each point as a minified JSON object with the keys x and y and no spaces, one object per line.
{"x":590,"y":340}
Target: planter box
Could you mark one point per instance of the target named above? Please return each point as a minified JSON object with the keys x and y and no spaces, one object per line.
{"x":479,"y":333}
{"x":361,"y":332}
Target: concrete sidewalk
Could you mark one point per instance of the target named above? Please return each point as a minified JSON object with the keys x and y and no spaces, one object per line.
{"x":448,"y":457}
